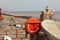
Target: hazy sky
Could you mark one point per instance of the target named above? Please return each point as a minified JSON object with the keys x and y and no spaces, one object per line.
{"x":29,"y":5}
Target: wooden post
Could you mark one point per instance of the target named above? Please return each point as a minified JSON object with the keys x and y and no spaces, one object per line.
{"x":16,"y":33}
{"x":0,"y":12}
{"x":0,"y":26}
{"x":34,"y":36}
{"x":1,"y":18}
{"x":6,"y":32}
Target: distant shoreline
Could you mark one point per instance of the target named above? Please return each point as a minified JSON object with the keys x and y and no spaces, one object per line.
{"x":31,"y":14}
{"x":24,"y":17}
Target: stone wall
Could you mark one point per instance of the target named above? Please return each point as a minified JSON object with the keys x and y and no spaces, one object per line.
{"x":13,"y":32}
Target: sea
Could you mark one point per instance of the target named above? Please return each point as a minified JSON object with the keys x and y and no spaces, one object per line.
{"x":33,"y":14}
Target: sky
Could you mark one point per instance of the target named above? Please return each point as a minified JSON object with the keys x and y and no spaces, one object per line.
{"x":29,"y":5}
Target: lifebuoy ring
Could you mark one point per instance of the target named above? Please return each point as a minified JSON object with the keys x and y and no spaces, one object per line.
{"x":32,"y":28}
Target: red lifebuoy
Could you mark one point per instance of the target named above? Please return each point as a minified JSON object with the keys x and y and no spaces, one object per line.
{"x":32,"y":25}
